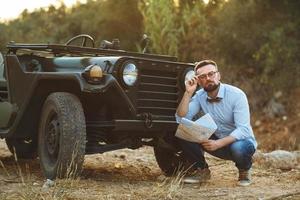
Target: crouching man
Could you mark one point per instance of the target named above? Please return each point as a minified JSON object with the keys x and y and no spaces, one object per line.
{"x":228,"y":106}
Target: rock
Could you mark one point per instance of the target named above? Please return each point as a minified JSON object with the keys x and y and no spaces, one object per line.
{"x":48,"y":184}
{"x":278,"y":94}
{"x":297,"y":154}
{"x":257,"y":123}
{"x":284,"y":118}
{"x":35,"y":184}
{"x":274,"y":109}
{"x":161,"y":178}
{"x":278,"y":159}
{"x":118,"y":165}
{"x":123,"y":156}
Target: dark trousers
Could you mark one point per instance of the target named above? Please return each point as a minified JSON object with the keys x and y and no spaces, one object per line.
{"x":240,"y":152}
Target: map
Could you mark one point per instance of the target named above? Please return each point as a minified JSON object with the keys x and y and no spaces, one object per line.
{"x":196,"y":131}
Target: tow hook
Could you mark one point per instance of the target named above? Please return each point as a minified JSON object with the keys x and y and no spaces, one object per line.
{"x":148,"y":120}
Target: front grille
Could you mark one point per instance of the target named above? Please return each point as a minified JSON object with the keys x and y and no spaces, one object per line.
{"x":157,"y":93}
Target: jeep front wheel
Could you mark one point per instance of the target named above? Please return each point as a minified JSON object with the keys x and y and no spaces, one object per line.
{"x":62,"y":136}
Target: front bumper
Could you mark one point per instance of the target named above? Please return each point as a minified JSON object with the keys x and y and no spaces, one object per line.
{"x":134,"y":125}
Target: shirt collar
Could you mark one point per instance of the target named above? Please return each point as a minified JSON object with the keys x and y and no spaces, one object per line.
{"x":221,"y":92}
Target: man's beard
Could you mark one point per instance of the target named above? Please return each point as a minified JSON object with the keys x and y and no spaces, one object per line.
{"x":211,"y":87}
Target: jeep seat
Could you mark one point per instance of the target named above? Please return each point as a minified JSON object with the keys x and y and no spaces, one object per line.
{"x":3,"y":83}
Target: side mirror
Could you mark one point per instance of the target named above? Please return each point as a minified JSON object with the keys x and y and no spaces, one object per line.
{"x":145,"y":43}
{"x":1,"y":67}
{"x":1,"y":59}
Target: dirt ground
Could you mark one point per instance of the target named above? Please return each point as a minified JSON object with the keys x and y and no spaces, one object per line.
{"x":134,"y":174}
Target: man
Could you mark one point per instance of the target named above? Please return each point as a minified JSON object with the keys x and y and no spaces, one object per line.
{"x":234,"y":139}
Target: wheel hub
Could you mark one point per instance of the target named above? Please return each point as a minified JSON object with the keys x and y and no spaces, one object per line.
{"x":52,"y":137}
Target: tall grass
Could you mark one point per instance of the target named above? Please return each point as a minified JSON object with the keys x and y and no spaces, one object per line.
{"x":171,"y":187}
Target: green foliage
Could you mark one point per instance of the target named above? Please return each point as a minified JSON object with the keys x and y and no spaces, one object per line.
{"x":101,"y":19}
{"x":108,"y":20}
{"x":264,"y":36}
{"x":279,"y":56}
{"x":3,"y":36}
{"x":178,"y":30}
{"x":160,"y":18}
{"x":255,"y":43}
{"x":194,"y":41}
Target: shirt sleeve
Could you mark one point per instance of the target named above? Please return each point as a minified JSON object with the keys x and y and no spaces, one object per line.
{"x":241,"y":116}
{"x":194,"y":108}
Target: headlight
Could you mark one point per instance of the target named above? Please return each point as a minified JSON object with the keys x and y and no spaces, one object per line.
{"x":189,"y":75}
{"x":130,"y":73}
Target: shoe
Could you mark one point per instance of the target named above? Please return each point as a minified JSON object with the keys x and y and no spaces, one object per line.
{"x":198,"y":176}
{"x":244,"y":177}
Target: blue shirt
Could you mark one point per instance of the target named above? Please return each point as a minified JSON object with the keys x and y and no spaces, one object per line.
{"x":231,"y":113}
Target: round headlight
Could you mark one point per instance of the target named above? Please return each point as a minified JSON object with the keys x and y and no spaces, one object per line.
{"x":189,"y":75}
{"x":130,"y":73}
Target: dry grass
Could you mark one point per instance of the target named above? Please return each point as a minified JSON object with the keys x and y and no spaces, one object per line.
{"x":30,"y":188}
{"x":134,"y":175}
{"x":170,"y":188}
{"x":71,"y":188}
{"x":63,"y":189}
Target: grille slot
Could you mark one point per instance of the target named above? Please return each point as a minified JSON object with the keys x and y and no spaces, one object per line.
{"x":161,"y":87}
{"x":157,"y":93}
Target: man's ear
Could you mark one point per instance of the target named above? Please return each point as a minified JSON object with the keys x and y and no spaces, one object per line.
{"x":219,"y":76}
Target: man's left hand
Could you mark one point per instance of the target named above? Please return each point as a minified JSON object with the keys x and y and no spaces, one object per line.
{"x":210,"y":145}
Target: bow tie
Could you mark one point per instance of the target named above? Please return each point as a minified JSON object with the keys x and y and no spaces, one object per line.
{"x":215,"y":100}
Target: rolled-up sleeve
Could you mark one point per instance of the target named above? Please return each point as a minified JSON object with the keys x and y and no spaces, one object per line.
{"x":241,"y":116}
{"x":194,"y":108}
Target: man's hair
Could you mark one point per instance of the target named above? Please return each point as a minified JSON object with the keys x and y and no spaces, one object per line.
{"x":203,"y":63}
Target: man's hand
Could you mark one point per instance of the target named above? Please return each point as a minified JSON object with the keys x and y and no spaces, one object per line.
{"x":191,"y":85}
{"x":211,"y":145}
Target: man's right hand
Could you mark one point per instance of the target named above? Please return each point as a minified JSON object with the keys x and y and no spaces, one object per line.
{"x":191,"y":85}
{"x":190,"y":88}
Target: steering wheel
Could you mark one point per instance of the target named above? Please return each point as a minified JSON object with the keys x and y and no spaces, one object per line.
{"x":84,"y":38}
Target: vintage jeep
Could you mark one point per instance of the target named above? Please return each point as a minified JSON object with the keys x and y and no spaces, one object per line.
{"x":60,"y":102}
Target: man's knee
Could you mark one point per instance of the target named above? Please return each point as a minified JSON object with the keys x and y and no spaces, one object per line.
{"x":242,"y":149}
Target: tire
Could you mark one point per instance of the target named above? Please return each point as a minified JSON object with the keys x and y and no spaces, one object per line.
{"x":170,"y":161}
{"x":62,"y":136}
{"x":23,"y":149}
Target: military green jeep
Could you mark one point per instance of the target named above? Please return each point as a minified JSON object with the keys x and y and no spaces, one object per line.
{"x":62,"y":101}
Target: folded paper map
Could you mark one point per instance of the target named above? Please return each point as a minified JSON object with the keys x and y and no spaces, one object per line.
{"x":196,"y":131}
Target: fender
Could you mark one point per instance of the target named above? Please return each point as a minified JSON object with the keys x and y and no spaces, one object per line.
{"x":42,"y":86}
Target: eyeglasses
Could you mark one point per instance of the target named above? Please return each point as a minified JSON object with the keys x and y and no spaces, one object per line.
{"x":211,"y":74}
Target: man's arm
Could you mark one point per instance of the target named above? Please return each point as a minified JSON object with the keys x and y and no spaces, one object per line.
{"x":187,"y":107}
{"x":241,"y":115}
{"x":183,"y":107}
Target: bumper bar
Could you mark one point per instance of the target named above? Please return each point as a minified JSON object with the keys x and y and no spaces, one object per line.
{"x":133,"y":125}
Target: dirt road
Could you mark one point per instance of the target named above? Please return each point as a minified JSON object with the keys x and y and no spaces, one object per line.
{"x":134,"y":174}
